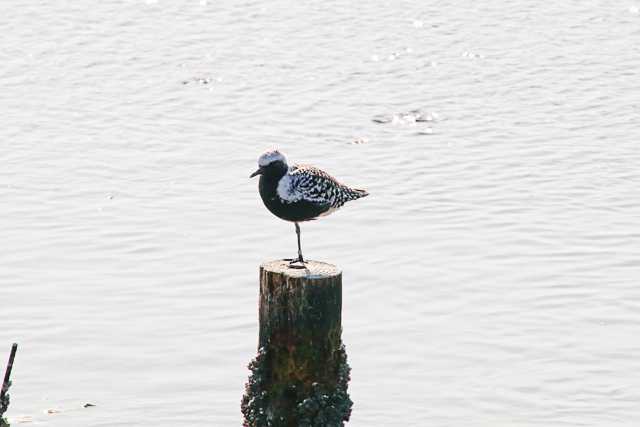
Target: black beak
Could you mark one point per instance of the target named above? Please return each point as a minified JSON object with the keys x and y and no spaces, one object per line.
{"x":258,"y":172}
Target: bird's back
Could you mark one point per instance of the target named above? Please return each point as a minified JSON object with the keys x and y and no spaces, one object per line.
{"x":313,"y":184}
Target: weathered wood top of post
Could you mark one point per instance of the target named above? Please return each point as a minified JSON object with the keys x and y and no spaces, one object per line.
{"x":312,"y":270}
{"x":297,"y":302}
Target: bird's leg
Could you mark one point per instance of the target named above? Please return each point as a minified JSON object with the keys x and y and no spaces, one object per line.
{"x":299,"y":247}
{"x":299,"y":259}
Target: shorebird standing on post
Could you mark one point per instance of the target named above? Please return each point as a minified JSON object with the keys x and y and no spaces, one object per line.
{"x":300,"y":192}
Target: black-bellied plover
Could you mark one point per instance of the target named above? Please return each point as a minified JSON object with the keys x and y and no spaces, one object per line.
{"x":300,"y":192}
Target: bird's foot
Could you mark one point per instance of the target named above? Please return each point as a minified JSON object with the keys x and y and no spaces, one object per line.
{"x":297,"y":263}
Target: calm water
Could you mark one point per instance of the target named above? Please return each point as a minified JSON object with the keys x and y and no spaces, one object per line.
{"x":491,"y":279}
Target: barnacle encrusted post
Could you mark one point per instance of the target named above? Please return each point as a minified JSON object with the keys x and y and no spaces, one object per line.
{"x":300,"y":376}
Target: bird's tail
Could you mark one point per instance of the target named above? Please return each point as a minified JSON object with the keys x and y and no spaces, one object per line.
{"x":357,"y":193}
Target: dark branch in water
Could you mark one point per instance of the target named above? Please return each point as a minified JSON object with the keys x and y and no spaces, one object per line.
{"x":6,"y":383}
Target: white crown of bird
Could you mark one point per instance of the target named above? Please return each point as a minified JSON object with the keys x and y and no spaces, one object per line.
{"x":270,"y":157}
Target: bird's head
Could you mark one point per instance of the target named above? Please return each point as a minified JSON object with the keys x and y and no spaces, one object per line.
{"x":271,"y":163}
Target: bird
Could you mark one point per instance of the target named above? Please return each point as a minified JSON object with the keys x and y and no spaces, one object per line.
{"x":300,"y":192}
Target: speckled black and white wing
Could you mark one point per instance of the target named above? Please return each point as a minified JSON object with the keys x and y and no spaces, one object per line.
{"x":310,"y":184}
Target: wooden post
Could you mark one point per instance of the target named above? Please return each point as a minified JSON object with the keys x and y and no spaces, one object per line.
{"x":300,"y":375}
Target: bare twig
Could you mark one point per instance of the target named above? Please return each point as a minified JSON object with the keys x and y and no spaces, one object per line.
{"x":4,"y":400}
